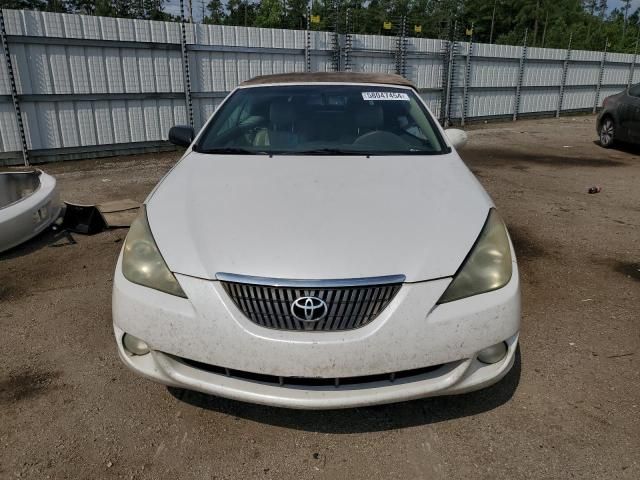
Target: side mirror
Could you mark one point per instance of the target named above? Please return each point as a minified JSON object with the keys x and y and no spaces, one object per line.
{"x":457,"y":137}
{"x":181,"y":135}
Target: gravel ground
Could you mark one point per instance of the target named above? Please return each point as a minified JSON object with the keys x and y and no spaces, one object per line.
{"x":569,"y":409}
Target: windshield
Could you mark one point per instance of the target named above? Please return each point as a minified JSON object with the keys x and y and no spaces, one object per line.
{"x":322,"y":119}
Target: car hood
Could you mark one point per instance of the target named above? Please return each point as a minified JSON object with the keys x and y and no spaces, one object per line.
{"x":317,"y":217}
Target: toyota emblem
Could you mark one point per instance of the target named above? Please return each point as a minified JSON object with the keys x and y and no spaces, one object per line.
{"x":309,"y":309}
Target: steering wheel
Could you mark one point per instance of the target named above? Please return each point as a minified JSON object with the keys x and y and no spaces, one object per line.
{"x":381,"y":139}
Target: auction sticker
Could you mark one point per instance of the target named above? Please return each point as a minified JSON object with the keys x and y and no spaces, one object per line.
{"x":376,"y":96}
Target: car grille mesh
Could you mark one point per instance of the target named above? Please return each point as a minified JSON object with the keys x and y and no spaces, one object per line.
{"x":347,"y":307}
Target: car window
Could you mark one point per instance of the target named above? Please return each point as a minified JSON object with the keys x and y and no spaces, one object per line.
{"x":635,"y":91}
{"x":323,"y":119}
{"x":235,"y":117}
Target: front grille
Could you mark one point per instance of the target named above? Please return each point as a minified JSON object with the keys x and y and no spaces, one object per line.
{"x":347,"y":306}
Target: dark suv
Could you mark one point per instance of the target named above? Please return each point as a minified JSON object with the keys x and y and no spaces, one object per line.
{"x":619,"y":119}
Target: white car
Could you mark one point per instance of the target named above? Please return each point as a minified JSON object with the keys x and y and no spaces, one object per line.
{"x":319,"y":245}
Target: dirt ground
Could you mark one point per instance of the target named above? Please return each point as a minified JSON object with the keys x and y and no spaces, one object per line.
{"x":569,"y":409}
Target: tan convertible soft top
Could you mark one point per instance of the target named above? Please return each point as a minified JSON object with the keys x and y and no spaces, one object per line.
{"x":331,"y":77}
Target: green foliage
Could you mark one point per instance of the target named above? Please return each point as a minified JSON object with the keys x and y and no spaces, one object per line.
{"x":270,"y":14}
{"x":295,"y":14}
{"x":104,"y":8}
{"x":25,"y":4}
{"x":143,"y":9}
{"x":241,"y":12}
{"x":215,"y":12}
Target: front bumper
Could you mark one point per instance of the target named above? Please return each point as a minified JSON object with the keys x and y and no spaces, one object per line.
{"x":411,"y":333}
{"x":454,"y":378}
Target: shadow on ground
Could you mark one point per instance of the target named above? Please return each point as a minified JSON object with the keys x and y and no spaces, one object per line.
{"x":48,"y":238}
{"x":631,"y":270}
{"x":527,"y":247}
{"x":368,"y":419}
{"x":632,"y":148}
{"x":501,"y":157}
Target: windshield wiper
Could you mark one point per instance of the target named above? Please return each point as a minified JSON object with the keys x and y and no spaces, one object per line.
{"x":330,"y":151}
{"x":230,"y":150}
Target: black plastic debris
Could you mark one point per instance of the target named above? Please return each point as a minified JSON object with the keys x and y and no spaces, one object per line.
{"x":85,"y":219}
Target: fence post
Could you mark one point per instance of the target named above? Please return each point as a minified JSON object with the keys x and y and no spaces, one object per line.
{"x":14,"y":90}
{"x":633,"y":62}
{"x":448,"y":60}
{"x":467,"y":79}
{"x":335,"y":40}
{"x":307,"y":44}
{"x":600,"y":77}
{"x":401,"y":48}
{"x":348,"y":42}
{"x":185,"y":66}
{"x":523,"y":60}
{"x":451,"y":58}
{"x":446,"y":46}
{"x":563,"y":83}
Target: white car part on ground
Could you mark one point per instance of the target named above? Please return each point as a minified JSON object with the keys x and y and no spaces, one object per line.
{"x":29,"y":203}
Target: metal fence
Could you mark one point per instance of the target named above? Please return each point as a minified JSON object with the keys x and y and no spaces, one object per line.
{"x":74,"y":86}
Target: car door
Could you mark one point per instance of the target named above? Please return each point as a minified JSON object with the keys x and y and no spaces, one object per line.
{"x":631,"y":114}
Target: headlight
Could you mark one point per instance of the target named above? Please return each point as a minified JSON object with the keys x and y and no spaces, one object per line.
{"x":142,"y":262}
{"x":487,"y":267}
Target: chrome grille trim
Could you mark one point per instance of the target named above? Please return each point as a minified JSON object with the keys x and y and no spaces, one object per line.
{"x":351,"y":303}
{"x":284,"y":282}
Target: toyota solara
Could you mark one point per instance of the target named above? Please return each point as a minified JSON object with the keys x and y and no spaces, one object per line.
{"x":319,"y":245}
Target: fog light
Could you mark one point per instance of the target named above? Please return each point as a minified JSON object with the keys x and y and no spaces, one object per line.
{"x":493,"y":354}
{"x":134,"y":345}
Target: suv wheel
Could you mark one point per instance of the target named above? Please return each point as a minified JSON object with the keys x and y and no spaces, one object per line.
{"x":607,"y":133}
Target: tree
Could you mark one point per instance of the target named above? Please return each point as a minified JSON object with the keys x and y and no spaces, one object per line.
{"x":122,"y":8}
{"x":154,"y":10}
{"x":104,"y":8}
{"x":270,"y":14}
{"x":590,"y":6}
{"x":86,"y":7}
{"x":602,"y":8}
{"x":484,"y":15}
{"x":60,"y":6}
{"x":241,"y":12}
{"x":215,"y":13}
{"x":25,"y":4}
{"x":295,"y":14}
{"x":626,"y":6}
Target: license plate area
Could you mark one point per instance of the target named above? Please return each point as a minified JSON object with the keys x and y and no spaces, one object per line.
{"x":41,"y":214}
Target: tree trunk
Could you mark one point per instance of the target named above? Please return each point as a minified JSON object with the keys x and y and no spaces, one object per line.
{"x":535,"y":23}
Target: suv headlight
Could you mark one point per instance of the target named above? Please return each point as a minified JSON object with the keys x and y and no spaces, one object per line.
{"x":488,"y":265}
{"x":142,"y":262}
